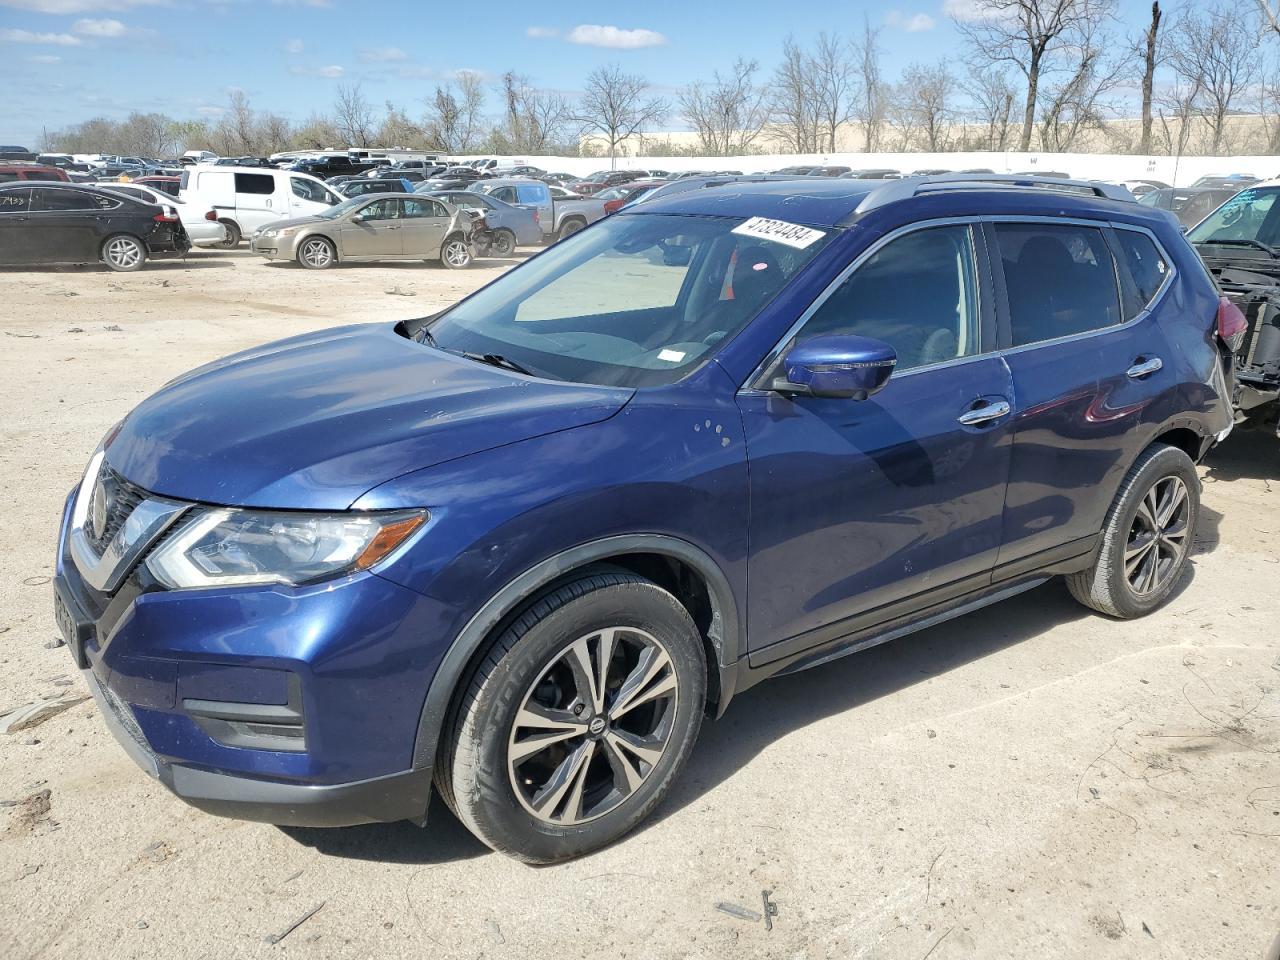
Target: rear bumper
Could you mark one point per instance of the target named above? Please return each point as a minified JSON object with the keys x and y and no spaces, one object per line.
{"x":401,"y":796}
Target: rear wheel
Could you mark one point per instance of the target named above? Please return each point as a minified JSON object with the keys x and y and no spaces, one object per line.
{"x":1147,"y":539}
{"x":503,"y":244}
{"x":317,"y":253}
{"x":124,"y":253}
{"x":232,"y":239}
{"x":455,"y":253}
{"x":578,"y":719}
{"x":570,"y":227}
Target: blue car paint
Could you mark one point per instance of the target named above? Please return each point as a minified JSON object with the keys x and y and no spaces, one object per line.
{"x":809,"y":519}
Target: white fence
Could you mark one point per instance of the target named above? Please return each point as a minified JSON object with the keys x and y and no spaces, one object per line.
{"x":1177,"y":171}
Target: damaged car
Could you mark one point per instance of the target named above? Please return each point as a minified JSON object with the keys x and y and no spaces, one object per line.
{"x":1240,"y":244}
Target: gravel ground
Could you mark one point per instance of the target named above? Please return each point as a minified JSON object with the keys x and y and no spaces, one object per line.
{"x":1028,"y":781}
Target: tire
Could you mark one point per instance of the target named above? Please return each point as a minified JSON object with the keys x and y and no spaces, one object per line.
{"x":1146,"y":539}
{"x":124,"y":253}
{"x":504,"y":787}
{"x":233,"y":235}
{"x":503,"y":244}
{"x":570,"y":227}
{"x":455,"y":252}
{"x":317,"y":253}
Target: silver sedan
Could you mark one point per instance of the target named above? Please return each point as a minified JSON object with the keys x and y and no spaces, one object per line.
{"x":379,"y":226}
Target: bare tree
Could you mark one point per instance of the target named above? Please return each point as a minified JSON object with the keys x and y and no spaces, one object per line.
{"x":1078,"y":101}
{"x":728,"y":114}
{"x":454,"y":118}
{"x":924,"y":107}
{"x":869,"y":108}
{"x":316,"y":133}
{"x":1211,"y":52}
{"x":992,"y":95}
{"x":1149,"y":48}
{"x":794,"y":109}
{"x":535,"y":120}
{"x":834,"y":87}
{"x":397,"y":130}
{"x":617,"y":106}
{"x":1270,"y":15}
{"x":1176,"y":107}
{"x":1032,"y":36}
{"x":353,"y":115}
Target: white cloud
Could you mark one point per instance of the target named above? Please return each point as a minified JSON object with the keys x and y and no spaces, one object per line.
{"x":383,"y":55}
{"x":294,"y":46}
{"x":331,"y":72}
{"x":541,"y":33}
{"x":77,"y":6}
{"x":44,"y":58}
{"x":967,"y":10}
{"x":595,"y":35}
{"x":100,"y":28}
{"x":26,"y":36}
{"x":211,"y":111}
{"x":912,"y":23}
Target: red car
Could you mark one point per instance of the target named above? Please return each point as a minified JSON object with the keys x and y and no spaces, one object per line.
{"x":169,"y":185}
{"x":615,"y":198}
{"x":30,"y":171}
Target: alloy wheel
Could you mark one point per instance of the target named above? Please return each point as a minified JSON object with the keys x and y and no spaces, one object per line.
{"x":1158,"y":538}
{"x":317,"y":253}
{"x":124,"y":253}
{"x":593,"y":726}
{"x":456,"y":253}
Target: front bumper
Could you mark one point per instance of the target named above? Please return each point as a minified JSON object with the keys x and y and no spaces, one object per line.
{"x":348,"y":654}
{"x":273,"y":248}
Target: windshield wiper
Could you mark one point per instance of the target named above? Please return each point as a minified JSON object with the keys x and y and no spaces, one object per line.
{"x":1256,"y":244}
{"x":497,"y":360}
{"x":425,"y":336}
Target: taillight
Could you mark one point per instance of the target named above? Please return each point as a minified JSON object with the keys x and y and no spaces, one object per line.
{"x":212,"y":216}
{"x":537,"y":216}
{"x":1232,"y":324}
{"x":166,"y":215}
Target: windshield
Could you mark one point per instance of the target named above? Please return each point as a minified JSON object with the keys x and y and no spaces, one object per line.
{"x":341,"y":209}
{"x":1251,"y":215}
{"x":637,"y":300}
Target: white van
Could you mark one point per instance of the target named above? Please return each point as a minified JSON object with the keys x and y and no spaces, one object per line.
{"x":247,"y":199}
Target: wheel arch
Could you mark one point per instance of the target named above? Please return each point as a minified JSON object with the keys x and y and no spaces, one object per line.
{"x":678,"y":566}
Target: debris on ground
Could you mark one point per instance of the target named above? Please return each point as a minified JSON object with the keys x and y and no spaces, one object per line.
{"x":397,"y":292}
{"x":28,"y":870}
{"x":742,"y":913}
{"x":31,"y":811}
{"x":55,"y":643}
{"x":770,"y":909}
{"x":31,"y":715}
{"x":494,"y":931}
{"x":114,"y":328}
{"x":277,"y":937}
{"x":75,"y":329}
{"x":158,"y":852}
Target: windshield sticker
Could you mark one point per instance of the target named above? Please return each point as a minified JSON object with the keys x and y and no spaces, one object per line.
{"x":671,"y":356}
{"x":779,"y":231}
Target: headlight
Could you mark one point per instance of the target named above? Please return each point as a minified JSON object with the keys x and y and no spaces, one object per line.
{"x":219,"y":547}
{"x":286,"y":232}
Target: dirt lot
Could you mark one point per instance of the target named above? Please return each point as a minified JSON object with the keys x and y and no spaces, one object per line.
{"x":1029,"y":781}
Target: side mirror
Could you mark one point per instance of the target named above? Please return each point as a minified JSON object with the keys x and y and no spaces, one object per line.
{"x":847,"y":367}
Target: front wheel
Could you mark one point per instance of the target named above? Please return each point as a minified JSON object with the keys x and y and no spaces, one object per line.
{"x":455,"y":254}
{"x":1147,"y":537}
{"x":124,"y":253}
{"x":578,"y":719}
{"x":317,"y":253}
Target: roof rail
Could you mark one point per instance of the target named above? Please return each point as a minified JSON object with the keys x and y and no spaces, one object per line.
{"x":909,"y":187}
{"x":685,"y":184}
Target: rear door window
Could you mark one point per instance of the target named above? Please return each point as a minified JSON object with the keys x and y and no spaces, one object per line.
{"x":259,"y":184}
{"x":531,"y":193}
{"x":60,"y":200}
{"x":1060,"y":279}
{"x":1146,"y":266}
{"x":422,"y":208}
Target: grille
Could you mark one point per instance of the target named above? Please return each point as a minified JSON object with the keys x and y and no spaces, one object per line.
{"x":122,"y":499}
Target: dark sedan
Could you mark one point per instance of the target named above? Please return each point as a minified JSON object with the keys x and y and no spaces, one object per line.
{"x":1189,"y":204}
{"x":65,"y":223}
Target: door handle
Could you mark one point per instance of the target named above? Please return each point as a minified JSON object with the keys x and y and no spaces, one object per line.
{"x":1144,"y":368}
{"x":992,"y":410}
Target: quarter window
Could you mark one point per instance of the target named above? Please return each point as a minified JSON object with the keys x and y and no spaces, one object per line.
{"x":1147,"y":268}
{"x":917,"y":293}
{"x":259,"y":184}
{"x":1060,"y":278}
{"x":15,"y":201}
{"x":308,"y":190}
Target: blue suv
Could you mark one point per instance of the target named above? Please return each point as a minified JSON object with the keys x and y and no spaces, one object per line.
{"x":519,"y":549}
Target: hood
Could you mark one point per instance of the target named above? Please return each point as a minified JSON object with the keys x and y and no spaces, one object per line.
{"x":292,"y":222}
{"x":314,"y":421}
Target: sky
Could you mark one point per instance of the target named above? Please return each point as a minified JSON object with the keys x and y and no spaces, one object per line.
{"x":64,"y":61}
